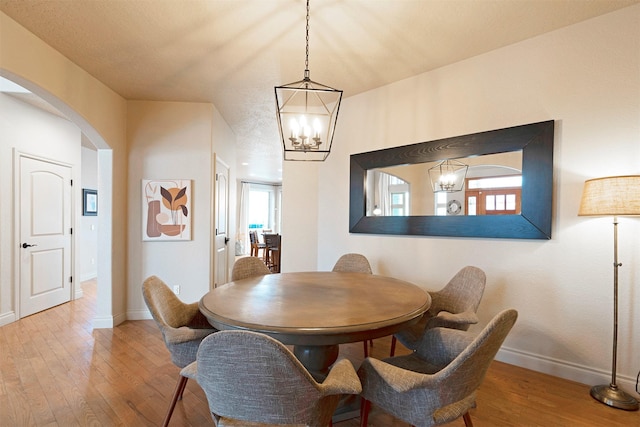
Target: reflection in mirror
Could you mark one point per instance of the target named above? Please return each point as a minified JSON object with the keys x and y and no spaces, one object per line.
{"x":492,"y":187}
{"x":507,"y":192}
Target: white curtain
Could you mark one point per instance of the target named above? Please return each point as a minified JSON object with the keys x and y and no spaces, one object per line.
{"x":384,"y":196}
{"x":243,"y":224}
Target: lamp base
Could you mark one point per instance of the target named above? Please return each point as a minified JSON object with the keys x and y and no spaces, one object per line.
{"x":614,"y":397}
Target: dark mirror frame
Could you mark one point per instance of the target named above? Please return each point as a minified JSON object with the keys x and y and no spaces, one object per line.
{"x":534,"y":221}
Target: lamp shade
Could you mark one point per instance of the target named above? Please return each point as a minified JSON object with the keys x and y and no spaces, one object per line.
{"x":614,"y":195}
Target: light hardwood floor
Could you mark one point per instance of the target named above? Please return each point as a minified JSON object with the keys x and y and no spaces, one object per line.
{"x":55,"y":370}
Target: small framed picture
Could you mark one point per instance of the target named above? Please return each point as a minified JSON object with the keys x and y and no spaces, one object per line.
{"x":89,"y":202}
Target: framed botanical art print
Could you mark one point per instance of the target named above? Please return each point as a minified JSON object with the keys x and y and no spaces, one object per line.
{"x":166,"y":209}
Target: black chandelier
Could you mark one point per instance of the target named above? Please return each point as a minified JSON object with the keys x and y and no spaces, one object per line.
{"x":307,"y":113}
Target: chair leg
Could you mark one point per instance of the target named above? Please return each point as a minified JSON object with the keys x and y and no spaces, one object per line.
{"x":467,"y":419}
{"x":177,"y":395}
{"x":366,"y":349}
{"x":393,"y":346}
{"x":365,"y":406}
{"x":183,"y":383}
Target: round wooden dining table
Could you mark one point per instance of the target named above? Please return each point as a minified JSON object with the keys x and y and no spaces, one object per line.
{"x":316,"y":311}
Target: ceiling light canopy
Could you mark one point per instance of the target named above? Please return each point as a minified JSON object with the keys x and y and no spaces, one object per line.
{"x":307,"y":113}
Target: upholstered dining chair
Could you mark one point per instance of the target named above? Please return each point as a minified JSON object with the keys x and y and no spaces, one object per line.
{"x":454,"y":306}
{"x":183,"y":327}
{"x":354,"y":263}
{"x":248,"y":266}
{"x":437,"y":383}
{"x":251,"y":379}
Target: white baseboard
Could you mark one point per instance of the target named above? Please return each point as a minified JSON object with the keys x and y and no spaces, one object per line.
{"x":8,"y":317}
{"x":139,"y":315}
{"x":563,"y":369}
{"x":107,"y":322}
{"x":104,"y":322}
{"x":88,"y":276}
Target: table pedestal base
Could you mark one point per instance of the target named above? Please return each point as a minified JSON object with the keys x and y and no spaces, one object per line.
{"x":317,"y":358}
{"x":348,"y":408}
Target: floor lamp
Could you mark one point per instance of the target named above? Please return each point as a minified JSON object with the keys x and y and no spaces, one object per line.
{"x":612,"y":196}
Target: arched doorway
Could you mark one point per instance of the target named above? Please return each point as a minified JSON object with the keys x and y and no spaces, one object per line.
{"x":104,"y":314}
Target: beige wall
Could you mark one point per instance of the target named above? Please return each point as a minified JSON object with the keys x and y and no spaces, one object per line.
{"x":173,"y":140}
{"x":144,"y":139}
{"x":27,"y":130}
{"x":100,"y":114}
{"x":585,"y":77}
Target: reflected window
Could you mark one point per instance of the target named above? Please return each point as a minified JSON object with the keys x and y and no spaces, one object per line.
{"x":441,"y":203}
{"x":471,"y":205}
{"x":511,"y":181}
{"x":399,"y":203}
{"x":391,"y":194}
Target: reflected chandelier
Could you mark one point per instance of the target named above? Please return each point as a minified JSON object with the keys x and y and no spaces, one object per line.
{"x":307,"y":113}
{"x":448,"y":176}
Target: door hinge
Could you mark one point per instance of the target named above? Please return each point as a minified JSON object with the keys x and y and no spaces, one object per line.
{"x":72,"y":183}
{"x":70,"y":279}
{"x":71,"y":230}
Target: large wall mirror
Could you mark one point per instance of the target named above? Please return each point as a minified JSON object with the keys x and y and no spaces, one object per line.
{"x":491,"y":184}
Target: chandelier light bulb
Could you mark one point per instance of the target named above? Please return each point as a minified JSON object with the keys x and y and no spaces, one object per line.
{"x":317,"y":127}
{"x":295,"y":128}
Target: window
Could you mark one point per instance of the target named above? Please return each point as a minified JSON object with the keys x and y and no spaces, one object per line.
{"x":259,"y":209}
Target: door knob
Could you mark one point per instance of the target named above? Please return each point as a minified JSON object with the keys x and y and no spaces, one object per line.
{"x":226,"y":240}
{"x":26,"y":245}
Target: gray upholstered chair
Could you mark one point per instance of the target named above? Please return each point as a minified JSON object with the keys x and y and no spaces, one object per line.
{"x":454,"y":306}
{"x":437,"y":383}
{"x":251,"y":379}
{"x":182,"y":325}
{"x":354,"y":263}
{"x":248,"y":266}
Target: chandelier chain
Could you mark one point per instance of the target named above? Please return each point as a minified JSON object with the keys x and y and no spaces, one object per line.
{"x":306,"y":61}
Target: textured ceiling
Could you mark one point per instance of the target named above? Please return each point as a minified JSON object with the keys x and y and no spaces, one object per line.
{"x":233,"y":52}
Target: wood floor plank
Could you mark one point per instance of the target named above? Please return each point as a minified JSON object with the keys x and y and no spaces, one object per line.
{"x":56,"y":370}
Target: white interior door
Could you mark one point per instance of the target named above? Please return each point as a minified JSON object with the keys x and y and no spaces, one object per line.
{"x":221,"y":224}
{"x":45,"y":235}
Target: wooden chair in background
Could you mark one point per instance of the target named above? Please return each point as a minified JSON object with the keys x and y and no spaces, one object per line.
{"x":273,"y":244}
{"x":256,"y":245}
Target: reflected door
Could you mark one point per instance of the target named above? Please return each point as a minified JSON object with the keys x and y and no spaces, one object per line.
{"x":493,"y":202}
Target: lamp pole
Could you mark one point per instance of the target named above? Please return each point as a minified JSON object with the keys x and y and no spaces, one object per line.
{"x":611,"y":395}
